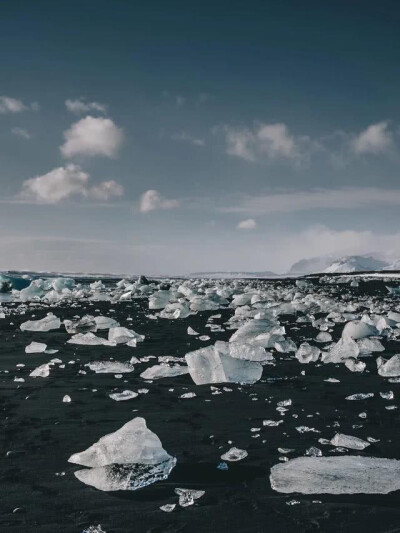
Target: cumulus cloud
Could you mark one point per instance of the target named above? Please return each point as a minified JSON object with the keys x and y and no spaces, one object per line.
{"x":11,"y":105}
{"x":92,"y":136}
{"x":285,"y":202}
{"x":64,"y":182}
{"x":374,"y":140}
{"x":249,"y":223}
{"x":21,"y":132}
{"x":187,"y":138}
{"x":267,"y":142}
{"x":79,"y":106}
{"x":152,"y":200}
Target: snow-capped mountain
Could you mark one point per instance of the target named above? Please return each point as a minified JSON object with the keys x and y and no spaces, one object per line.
{"x":356,"y":263}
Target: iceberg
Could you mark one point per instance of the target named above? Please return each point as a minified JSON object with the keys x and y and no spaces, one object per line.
{"x":347,"y":441}
{"x":35,"y":347}
{"x":81,"y":325}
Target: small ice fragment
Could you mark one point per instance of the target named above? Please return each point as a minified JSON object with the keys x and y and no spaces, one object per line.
{"x":347,"y":441}
{"x":188,"y":496}
{"x":360,"y":396}
{"x":191,"y":331}
{"x":234,"y":454}
{"x":168,"y":508}
{"x":66,"y":399}
{"x":188,"y":395}
{"x":35,"y":347}
{"x":124,"y":395}
{"x":42,"y":371}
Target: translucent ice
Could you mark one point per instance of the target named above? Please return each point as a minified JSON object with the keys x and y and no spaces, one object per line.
{"x":164,"y":371}
{"x":132,"y":443}
{"x":389,"y":368}
{"x":208,"y":366}
{"x":337,"y":475}
{"x":347,"y":441}
{"x":188,"y":496}
{"x":307,"y":353}
{"x":89,"y":339}
{"x":110,"y":367}
{"x":122,"y":335}
{"x":234,"y":454}
{"x":47,"y":323}
{"x":35,"y":347}
{"x":42,"y":371}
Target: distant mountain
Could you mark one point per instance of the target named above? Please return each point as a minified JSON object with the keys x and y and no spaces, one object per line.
{"x":393,"y":266}
{"x":225,"y":275}
{"x":312,"y":265}
{"x":356,"y":263}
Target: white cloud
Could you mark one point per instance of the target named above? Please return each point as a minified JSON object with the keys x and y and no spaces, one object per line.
{"x":64,"y":182}
{"x":11,"y":105}
{"x":285,"y":202}
{"x":249,"y":223}
{"x":267,"y":142}
{"x":374,"y":140}
{"x":187,"y":138}
{"x":152,"y":200}
{"x":106,"y":190}
{"x":92,"y":136}
{"x":21,"y":132}
{"x":80,"y":106}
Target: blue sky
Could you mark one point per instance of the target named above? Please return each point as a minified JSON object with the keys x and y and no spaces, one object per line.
{"x":170,"y":137}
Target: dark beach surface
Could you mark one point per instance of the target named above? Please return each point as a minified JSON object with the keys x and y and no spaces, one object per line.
{"x":39,"y":493}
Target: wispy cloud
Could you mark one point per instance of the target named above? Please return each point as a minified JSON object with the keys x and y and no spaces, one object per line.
{"x":267,"y":142}
{"x":284,"y":202}
{"x":376,"y":139}
{"x":13,"y":105}
{"x":80,"y":106}
{"x":247,"y":224}
{"x":152,"y":200}
{"x":21,"y":132}
{"x":187,"y":138}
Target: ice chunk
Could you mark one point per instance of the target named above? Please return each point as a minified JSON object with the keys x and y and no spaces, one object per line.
{"x":132,"y":443}
{"x":242,"y":350}
{"x":105,"y":322}
{"x":164,"y":371}
{"x":121,"y":335}
{"x":67,"y":399}
{"x":208,"y":366}
{"x":42,"y":371}
{"x":125,"y":476}
{"x":360,"y":396}
{"x":124,"y":395}
{"x":389,"y":368}
{"x":191,"y":331}
{"x":337,"y":475}
{"x":285,"y":346}
{"x":81,"y":325}
{"x":370,"y":345}
{"x":234,"y":454}
{"x":323,"y":336}
{"x":249,"y":332}
{"x":35,"y":347}
{"x":347,"y":441}
{"x":355,"y":366}
{"x":358,"y":329}
{"x":110,"y":367}
{"x":89,"y":339}
{"x":168,"y":507}
{"x":47,"y":323}
{"x":188,"y":496}
{"x":342,"y":350}
{"x":307,"y":353}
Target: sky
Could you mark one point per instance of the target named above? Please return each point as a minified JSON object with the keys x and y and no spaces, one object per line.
{"x":169,"y":137}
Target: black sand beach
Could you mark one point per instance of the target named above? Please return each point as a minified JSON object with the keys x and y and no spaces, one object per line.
{"x":39,"y":493}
